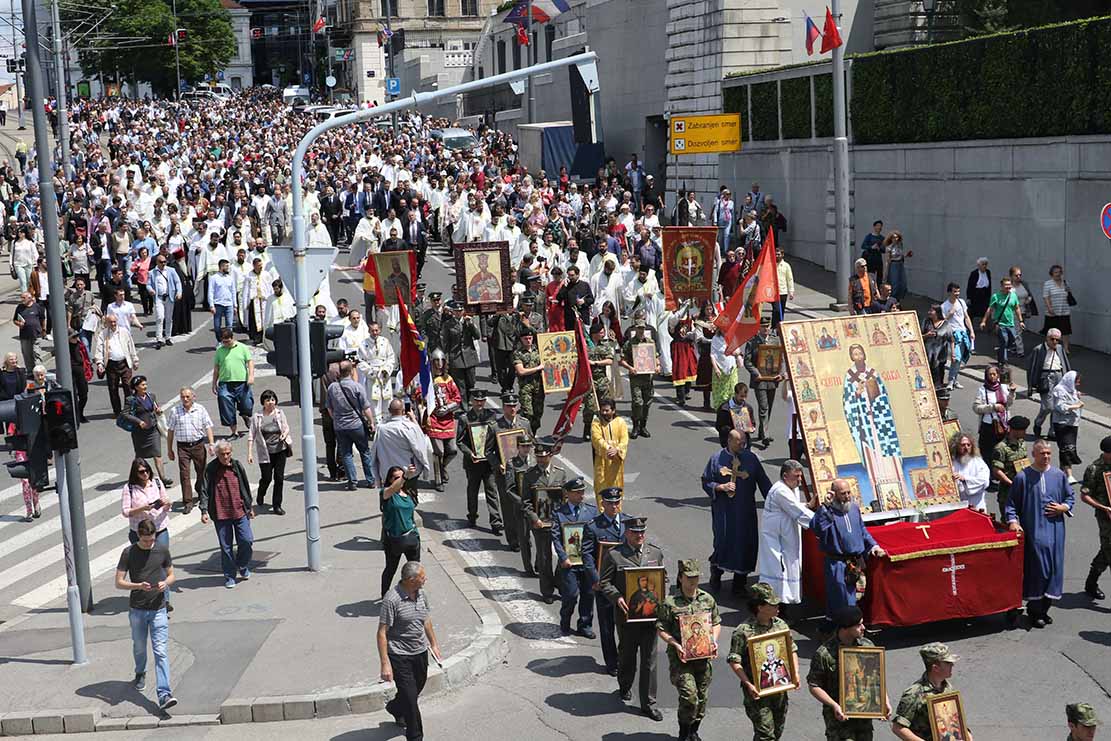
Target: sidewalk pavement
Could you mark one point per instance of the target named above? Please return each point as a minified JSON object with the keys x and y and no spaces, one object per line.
{"x":816,"y":289}
{"x":286,"y":645}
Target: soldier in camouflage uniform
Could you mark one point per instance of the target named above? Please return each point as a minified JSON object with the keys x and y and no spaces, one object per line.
{"x":911,"y":721}
{"x":543,"y":474}
{"x":1010,"y":449}
{"x":600,"y":353}
{"x":1094,"y":493}
{"x":530,"y":385}
{"x":825,"y":682}
{"x":1083,"y":721}
{"x":640,"y":384}
{"x":768,"y":714}
{"x":691,"y":678}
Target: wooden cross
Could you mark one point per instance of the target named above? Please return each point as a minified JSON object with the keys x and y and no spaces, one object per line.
{"x":952,"y":570}
{"x":925,"y":530}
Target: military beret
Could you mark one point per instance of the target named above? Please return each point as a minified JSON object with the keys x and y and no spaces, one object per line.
{"x":575,"y":484}
{"x":1105,"y":444}
{"x":1082,"y":714}
{"x":1018,"y":422}
{"x":763,"y":592}
{"x":636,"y":524}
{"x":611,"y":494}
{"x":935,"y":653}
{"x":509,"y":398}
{"x":848,"y":617}
{"x":689,"y":567}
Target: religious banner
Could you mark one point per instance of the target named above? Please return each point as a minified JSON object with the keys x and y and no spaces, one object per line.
{"x":558,"y":356}
{"x":392,"y":272}
{"x":483,"y":279}
{"x":688,"y":264}
{"x":867,"y":410}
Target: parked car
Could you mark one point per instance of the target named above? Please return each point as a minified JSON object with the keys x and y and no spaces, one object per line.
{"x":454,"y":138}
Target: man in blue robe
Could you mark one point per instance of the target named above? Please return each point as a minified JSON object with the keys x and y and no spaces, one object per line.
{"x":1040,"y":498}
{"x":845,"y":542}
{"x":730,"y":479}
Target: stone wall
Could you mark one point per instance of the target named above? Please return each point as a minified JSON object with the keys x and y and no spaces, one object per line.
{"x":1031,"y":202}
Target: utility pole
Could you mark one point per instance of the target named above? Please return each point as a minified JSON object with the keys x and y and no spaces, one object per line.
{"x":842,"y":248}
{"x":177,"y":54}
{"x":389,"y":57}
{"x":49,"y":221}
{"x":62,"y":93}
{"x":18,"y":84}
{"x":531,"y":59}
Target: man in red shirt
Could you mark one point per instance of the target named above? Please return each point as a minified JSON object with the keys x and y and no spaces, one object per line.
{"x":225,"y":498}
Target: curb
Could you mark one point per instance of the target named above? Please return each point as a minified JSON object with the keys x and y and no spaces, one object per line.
{"x":486,"y":651}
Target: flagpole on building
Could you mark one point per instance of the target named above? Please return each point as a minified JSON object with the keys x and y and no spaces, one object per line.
{"x":842,"y":245}
{"x":531,"y":61}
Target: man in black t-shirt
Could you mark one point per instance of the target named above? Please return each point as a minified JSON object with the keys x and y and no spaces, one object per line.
{"x":147,"y":571}
{"x":30,"y":317}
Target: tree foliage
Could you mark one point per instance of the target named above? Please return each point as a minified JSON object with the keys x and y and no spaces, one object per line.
{"x":208,"y":46}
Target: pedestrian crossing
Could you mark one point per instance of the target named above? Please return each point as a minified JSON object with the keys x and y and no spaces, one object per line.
{"x":32,"y":559}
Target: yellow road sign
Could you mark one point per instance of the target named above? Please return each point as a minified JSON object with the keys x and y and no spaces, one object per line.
{"x":705,"y":134}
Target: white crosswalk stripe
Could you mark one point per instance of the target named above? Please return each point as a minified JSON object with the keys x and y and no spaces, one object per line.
{"x":11,"y":540}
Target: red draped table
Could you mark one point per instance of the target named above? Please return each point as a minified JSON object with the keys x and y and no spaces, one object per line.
{"x":957,"y":566}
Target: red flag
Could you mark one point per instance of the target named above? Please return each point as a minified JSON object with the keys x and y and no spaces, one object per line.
{"x":411,"y":342}
{"x":831,"y":37}
{"x":580,"y":387}
{"x":741,"y":319}
{"x":319,"y":25}
{"x":522,"y":36}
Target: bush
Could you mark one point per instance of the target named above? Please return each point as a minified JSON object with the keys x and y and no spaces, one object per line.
{"x":795,"y":102}
{"x":765,"y":112}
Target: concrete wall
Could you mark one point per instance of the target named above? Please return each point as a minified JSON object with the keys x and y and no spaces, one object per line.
{"x":1032,"y":202}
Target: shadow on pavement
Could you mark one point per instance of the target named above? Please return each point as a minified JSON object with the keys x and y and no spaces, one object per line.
{"x":636,"y":736}
{"x":367,"y":608}
{"x":535,"y":631}
{"x":359,"y":543}
{"x":564,"y":666}
{"x":493,"y":571}
{"x":383,"y":731}
{"x":112,"y":605}
{"x":588,"y":704}
{"x":1102,"y":637}
{"x":115,"y":691}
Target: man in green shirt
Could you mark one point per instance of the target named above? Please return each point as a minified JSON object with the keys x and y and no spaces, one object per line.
{"x":1005,"y":312}
{"x":1094,"y":493}
{"x":233,"y":374}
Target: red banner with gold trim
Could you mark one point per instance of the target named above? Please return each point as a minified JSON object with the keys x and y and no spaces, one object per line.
{"x":688,"y":264}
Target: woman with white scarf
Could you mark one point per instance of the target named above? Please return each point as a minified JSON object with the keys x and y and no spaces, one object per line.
{"x":1066,"y":420}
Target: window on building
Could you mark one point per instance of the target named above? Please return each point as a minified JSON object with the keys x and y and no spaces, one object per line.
{"x":389,"y":7}
{"x":436,"y":8}
{"x":468,"y":7}
{"x":549,"y":38}
{"x":516,"y":55}
{"x":501,"y":57}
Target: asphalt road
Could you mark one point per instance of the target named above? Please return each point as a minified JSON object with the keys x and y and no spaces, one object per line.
{"x":1015,"y":683}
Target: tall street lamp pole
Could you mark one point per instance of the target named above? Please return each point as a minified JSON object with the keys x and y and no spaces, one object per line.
{"x":842,"y":247}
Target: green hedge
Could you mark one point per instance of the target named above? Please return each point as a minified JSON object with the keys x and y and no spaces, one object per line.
{"x":1051,"y":81}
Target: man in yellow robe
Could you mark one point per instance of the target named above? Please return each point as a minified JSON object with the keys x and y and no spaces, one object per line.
{"x":609,"y":436}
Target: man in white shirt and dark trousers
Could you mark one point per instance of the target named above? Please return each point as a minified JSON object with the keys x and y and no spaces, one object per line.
{"x":147,"y":571}
{"x":114,"y":355}
{"x":405,"y":638}
{"x":221,"y":298}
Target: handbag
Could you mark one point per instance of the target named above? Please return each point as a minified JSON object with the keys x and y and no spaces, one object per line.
{"x":1069,"y":298}
{"x":122,"y":422}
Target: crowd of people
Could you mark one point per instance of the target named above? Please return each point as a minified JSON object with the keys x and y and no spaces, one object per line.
{"x":172,"y":210}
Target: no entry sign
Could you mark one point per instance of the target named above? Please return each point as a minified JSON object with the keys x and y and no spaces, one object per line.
{"x":1105,"y":220}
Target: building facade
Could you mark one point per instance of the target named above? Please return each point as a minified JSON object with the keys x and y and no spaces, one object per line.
{"x":239,"y":72}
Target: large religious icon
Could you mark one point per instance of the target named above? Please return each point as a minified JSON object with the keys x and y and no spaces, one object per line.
{"x":508,"y":441}
{"x":545,"y":500}
{"x":947,"y":721}
{"x":688,"y":264}
{"x":573,"y":533}
{"x":394,"y":271}
{"x":769,"y":361}
{"x":771,"y":657}
{"x":695,"y":635}
{"x":559,"y":358}
{"x":742,"y":420}
{"x":644,"y":591}
{"x":482,"y":276}
{"x":478,"y":439}
{"x":644,"y":358}
{"x":862,"y":414}
{"x":863,"y":681}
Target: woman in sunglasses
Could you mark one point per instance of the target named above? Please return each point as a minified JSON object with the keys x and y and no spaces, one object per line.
{"x":144,"y":497}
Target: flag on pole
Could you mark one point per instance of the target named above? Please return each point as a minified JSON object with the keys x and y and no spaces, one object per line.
{"x":414,"y":358}
{"x":812,"y":35}
{"x":543,"y":11}
{"x":319,"y":25}
{"x":740,"y":320}
{"x":580,"y":387}
{"x":522,"y":36}
{"x":831,"y":37}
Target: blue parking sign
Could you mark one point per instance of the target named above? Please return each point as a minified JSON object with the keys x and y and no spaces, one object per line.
{"x":393,"y":86}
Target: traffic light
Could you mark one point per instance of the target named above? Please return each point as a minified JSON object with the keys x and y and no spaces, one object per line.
{"x":284,"y":355}
{"x":181,"y":35}
{"x":320,"y":333}
{"x":60,"y":420}
{"x":25,"y":411}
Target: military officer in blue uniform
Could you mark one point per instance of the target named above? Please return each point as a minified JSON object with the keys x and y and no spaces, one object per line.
{"x":607,"y":527}
{"x":575,"y":573}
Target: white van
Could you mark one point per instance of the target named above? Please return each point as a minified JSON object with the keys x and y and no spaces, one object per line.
{"x":295,"y":95}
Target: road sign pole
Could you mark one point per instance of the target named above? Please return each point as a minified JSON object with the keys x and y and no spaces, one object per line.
{"x":73,"y":592}
{"x":842,"y":248}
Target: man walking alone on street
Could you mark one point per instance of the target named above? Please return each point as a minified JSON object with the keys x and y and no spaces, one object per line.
{"x":225,"y":498}
{"x":405,"y":638}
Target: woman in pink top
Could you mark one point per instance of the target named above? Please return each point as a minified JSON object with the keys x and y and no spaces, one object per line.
{"x":141,"y":268}
{"x":144,"y":497}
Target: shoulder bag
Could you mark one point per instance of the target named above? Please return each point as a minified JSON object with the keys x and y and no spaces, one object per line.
{"x":1069,"y":298}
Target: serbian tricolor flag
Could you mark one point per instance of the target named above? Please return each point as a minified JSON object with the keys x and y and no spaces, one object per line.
{"x":812,"y":35}
{"x":543,"y":11}
{"x":740,"y":320}
{"x":319,"y":25}
{"x":831,"y":37}
{"x":580,"y":388}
